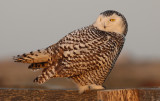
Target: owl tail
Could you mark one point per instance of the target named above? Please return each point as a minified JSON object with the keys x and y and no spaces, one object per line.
{"x":33,"y":57}
{"x":37,"y":66}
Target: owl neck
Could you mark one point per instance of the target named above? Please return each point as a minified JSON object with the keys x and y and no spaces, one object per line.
{"x":113,"y":34}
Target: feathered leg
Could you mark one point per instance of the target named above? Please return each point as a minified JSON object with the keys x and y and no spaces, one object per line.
{"x":91,"y":80}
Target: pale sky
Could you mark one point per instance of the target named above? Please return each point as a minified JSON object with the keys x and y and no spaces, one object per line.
{"x":27,"y":25}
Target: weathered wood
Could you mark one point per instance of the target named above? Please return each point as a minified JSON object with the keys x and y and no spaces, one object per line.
{"x":146,"y":94}
{"x":118,"y":95}
{"x":143,"y":94}
{"x":45,"y":95}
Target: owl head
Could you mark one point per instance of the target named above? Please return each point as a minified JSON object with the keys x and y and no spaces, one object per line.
{"x":112,"y":21}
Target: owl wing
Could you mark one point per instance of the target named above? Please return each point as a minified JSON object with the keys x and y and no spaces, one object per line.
{"x":86,"y":50}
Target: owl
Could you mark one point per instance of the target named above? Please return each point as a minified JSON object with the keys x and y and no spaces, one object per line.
{"x":85,"y":55}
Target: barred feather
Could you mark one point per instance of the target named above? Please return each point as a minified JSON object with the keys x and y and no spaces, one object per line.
{"x":37,"y":66}
{"x":33,"y":57}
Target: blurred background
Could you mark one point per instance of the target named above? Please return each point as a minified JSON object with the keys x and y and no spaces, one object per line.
{"x":27,"y":25}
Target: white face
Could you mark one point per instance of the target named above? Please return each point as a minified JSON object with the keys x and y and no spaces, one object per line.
{"x":113,"y":23}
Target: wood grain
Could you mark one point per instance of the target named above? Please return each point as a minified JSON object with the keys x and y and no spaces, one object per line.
{"x":141,"y":94}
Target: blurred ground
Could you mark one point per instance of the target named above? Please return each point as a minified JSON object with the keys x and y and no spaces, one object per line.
{"x":127,"y":73}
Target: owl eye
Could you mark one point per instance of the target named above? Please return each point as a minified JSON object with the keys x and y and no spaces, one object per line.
{"x":112,"y":20}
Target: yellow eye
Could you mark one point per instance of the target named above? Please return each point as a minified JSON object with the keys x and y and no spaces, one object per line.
{"x":112,"y":20}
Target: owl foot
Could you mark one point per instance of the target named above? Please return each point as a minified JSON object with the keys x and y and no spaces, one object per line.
{"x":86,"y":88}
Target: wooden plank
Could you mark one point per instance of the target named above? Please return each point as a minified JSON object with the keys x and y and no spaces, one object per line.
{"x":143,"y":94}
{"x":152,"y":94}
{"x":45,"y":95}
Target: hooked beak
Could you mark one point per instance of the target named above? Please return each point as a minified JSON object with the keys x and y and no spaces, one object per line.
{"x":105,"y":26}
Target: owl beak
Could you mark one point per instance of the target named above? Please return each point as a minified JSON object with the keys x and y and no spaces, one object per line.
{"x":104,"y":25}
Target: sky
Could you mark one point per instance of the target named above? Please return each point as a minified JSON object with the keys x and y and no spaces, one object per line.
{"x":27,"y":25}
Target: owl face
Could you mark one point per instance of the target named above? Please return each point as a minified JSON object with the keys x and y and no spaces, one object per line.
{"x":111,"y":23}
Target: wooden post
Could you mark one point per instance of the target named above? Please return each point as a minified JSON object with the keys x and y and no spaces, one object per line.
{"x":143,"y":94}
